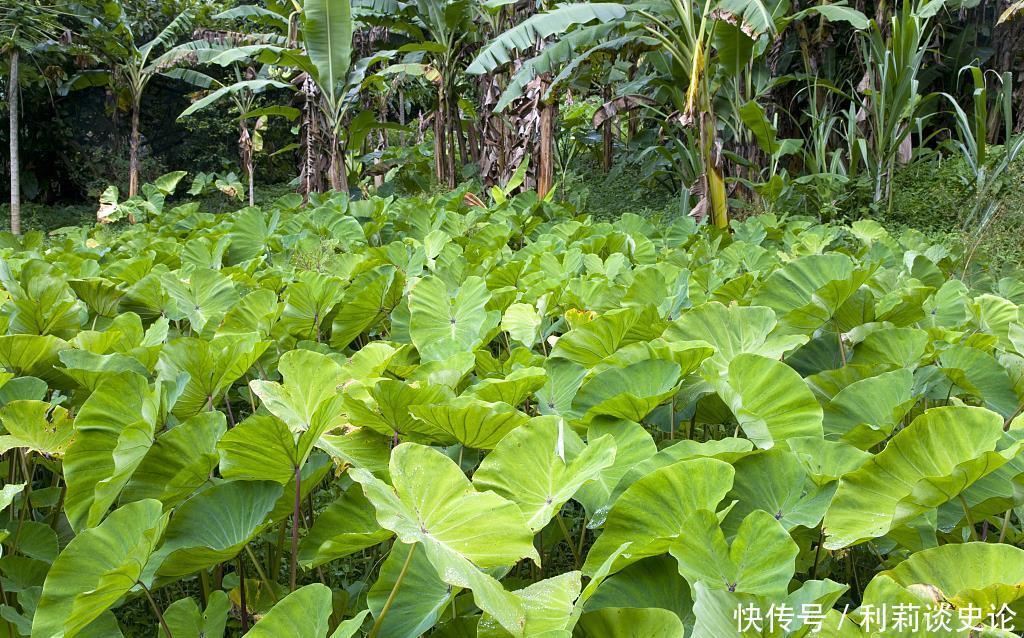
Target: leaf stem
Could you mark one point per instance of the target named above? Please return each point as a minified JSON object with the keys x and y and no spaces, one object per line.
{"x":568,"y":540}
{"x":295,"y":527}
{"x":394,"y":593}
{"x":967,"y":515}
{"x":262,"y":574}
{"x":156,"y":609}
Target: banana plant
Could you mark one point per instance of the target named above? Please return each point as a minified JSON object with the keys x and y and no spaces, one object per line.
{"x":131,"y":67}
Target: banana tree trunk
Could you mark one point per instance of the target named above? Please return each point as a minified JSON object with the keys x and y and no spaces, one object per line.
{"x":133,"y":150}
{"x":606,"y":133}
{"x":440,"y":146}
{"x":245,"y":149}
{"x":546,"y":165}
{"x":12,"y":96}
{"x":712,"y":157}
{"x":338,"y":171}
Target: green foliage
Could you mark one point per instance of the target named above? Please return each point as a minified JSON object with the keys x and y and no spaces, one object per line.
{"x":506,"y":418}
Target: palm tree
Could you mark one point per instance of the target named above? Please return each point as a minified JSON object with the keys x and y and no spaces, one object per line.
{"x":25,"y":24}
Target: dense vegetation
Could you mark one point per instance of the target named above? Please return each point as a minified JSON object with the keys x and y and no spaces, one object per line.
{"x":449,"y":318}
{"x":501,"y":421}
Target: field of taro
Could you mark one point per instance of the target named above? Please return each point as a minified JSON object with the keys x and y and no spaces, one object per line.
{"x":405,"y":417}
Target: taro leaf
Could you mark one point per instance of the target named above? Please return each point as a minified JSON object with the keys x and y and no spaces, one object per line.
{"x":36,"y":426}
{"x":359,"y":447}
{"x":461,"y":530}
{"x":8,"y":492}
{"x":650,"y":514}
{"x":262,"y":448}
{"x":522,"y":323}
{"x":213,"y":526}
{"x":731,"y":331}
{"x":185,"y":620}
{"x":548,"y":606}
{"x":212,"y":367}
{"x":564,"y":380}
{"x":541,"y":465}
{"x":309,"y":305}
{"x":309,"y":399}
{"x":729,"y":449}
{"x":981,"y":375}
{"x":201,"y":296}
{"x":985,"y":575}
{"x":113,"y":432}
{"x":618,"y":622}
{"x":865,"y":412}
{"x":350,"y":627}
{"x":770,"y":400}
{"x":442,"y":324}
{"x":386,"y":409}
{"x":652,"y":582}
{"x":367,"y":301}
{"x":31,"y":355}
{"x":716,"y":615}
{"x":257,"y":312}
{"x":470,"y":421}
{"x":304,"y":613}
{"x":180,"y":461}
{"x":893,"y":348}
{"x":826,"y":461}
{"x":760,"y":560}
{"x":34,"y":540}
{"x":346,"y":526}
{"x":931,"y":461}
{"x":627,"y":393}
{"x":807,"y":292}
{"x":97,"y":568}
{"x":420,"y":599}
{"x":88,"y":369}
{"x":513,"y":389}
{"x":774,"y":481}
{"x":591,"y":342}
{"x":633,"y":445}
{"x":102,"y":296}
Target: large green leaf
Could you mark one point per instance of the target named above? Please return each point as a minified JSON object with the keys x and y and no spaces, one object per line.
{"x":345,"y":527}
{"x":469,"y":421}
{"x":932,"y":461}
{"x":442,"y":324}
{"x":97,"y":568}
{"x":618,"y":622}
{"x":213,"y":526}
{"x":180,"y":461}
{"x":541,"y":465}
{"x":995,"y":576}
{"x":309,"y":399}
{"x":770,"y":401}
{"x":36,"y":426}
{"x":760,"y":559}
{"x":212,"y":367}
{"x":627,"y":393}
{"x":461,"y":530}
{"x":327,"y":30}
{"x":304,"y":613}
{"x":651,"y":513}
{"x":114,"y":431}
{"x":865,"y":412}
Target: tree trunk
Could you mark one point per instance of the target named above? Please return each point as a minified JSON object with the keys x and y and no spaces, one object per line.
{"x":12,"y":96}
{"x":440,"y":144}
{"x":245,"y":149}
{"x":133,"y":150}
{"x":545,"y":165}
{"x":717,"y":197}
{"x":606,"y":133}
{"x":339,"y":172}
